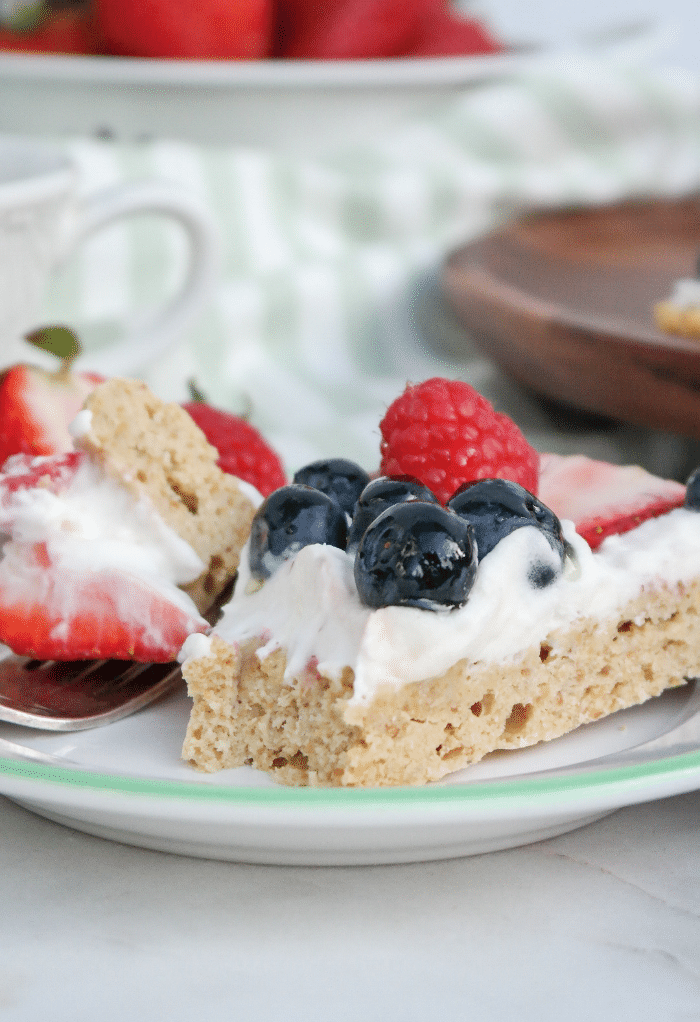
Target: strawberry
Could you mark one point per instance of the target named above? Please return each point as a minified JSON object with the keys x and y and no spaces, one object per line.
{"x":443,"y":433}
{"x":36,"y":407}
{"x":24,"y":472}
{"x":602,"y":499}
{"x":51,"y":613}
{"x":242,"y":450}
{"x":49,"y":607}
{"x":446,"y":34}
{"x":210,"y":29}
{"x":346,"y":29}
{"x":62,"y":31}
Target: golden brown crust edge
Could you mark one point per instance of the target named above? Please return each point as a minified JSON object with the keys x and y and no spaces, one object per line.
{"x":157,"y":449}
{"x":674,"y":319}
{"x":308,"y":733}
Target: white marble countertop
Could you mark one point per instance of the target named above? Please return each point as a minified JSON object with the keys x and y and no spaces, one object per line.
{"x":602,"y":923}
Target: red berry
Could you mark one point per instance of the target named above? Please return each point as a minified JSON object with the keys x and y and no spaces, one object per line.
{"x":446,"y":34}
{"x":36,"y":408}
{"x":50,"y":609}
{"x":242,"y":450}
{"x":348,"y":29}
{"x":210,"y":29}
{"x":603,"y":499}
{"x":69,"y":31}
{"x":111,"y":615}
{"x":25,"y":472}
{"x":444,"y":434}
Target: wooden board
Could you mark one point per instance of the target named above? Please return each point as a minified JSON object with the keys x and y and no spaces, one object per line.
{"x":563,"y":302}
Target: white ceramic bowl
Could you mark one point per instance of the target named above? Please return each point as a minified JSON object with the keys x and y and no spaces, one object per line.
{"x":288,"y":106}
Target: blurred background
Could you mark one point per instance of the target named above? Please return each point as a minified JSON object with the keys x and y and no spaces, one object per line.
{"x":341,"y":186}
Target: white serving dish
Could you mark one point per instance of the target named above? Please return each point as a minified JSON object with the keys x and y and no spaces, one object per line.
{"x":289,"y":106}
{"x":126,"y":782}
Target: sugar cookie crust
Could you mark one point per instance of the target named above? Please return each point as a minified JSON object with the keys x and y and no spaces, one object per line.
{"x":307,"y":733}
{"x":674,"y":319}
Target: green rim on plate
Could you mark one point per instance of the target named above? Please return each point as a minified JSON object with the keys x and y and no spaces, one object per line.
{"x":530,"y":788}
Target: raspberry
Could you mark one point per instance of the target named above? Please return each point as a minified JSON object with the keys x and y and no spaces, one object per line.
{"x":445,"y":434}
{"x":242,"y":450}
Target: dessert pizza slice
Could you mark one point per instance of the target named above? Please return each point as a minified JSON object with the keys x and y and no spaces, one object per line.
{"x":444,"y":632}
{"x":117,"y":549}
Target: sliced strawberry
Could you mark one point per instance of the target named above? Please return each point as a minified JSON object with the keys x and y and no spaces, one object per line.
{"x":51,"y":613}
{"x":37,"y":407}
{"x":603,"y":499}
{"x":61,"y":597}
{"x":23,"y":472}
{"x":346,"y":29}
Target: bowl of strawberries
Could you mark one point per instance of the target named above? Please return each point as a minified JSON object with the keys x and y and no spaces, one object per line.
{"x":292,"y":75}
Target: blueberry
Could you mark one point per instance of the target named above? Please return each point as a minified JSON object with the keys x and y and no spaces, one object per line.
{"x":380,"y":494}
{"x":541,"y":575}
{"x":692,"y":491}
{"x":416,"y":554}
{"x":496,"y":507}
{"x":342,"y":480}
{"x":290,"y":518}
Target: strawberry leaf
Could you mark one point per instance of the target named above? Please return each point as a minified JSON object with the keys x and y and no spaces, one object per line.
{"x":26,"y":16}
{"x":58,"y":341}
{"x":196,"y":394}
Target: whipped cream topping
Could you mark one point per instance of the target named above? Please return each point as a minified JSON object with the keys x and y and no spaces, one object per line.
{"x":686,"y":293}
{"x":310,"y":607}
{"x":95,"y":523}
{"x":251,"y":492}
{"x":81,"y":424}
{"x":194,"y":647}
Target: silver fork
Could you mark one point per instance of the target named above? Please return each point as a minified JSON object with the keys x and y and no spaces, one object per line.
{"x":75,"y":695}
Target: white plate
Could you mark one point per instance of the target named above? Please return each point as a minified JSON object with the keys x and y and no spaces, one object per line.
{"x":126,"y":782}
{"x":290,"y":106}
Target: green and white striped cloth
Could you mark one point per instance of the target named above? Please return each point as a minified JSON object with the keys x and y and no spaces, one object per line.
{"x":328,"y":301}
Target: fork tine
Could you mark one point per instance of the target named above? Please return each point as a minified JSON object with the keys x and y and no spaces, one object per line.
{"x":111,"y":679}
{"x":58,"y":696}
{"x":89,"y":668}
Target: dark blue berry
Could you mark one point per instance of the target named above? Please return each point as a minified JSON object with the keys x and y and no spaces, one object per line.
{"x":416,"y":554}
{"x":342,"y":480}
{"x":380,"y":494}
{"x":692,"y":491}
{"x":496,"y":507}
{"x":290,"y":518}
